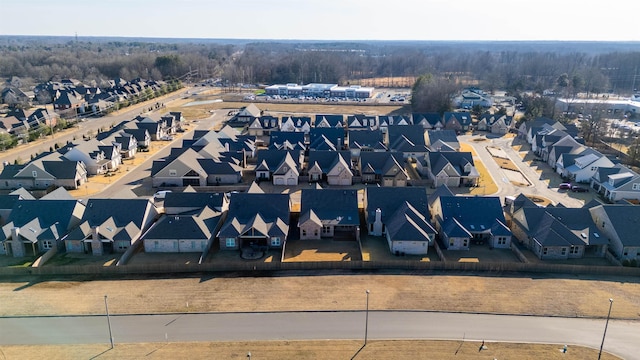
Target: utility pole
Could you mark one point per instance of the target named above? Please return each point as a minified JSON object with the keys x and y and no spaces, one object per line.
{"x":106,"y":306}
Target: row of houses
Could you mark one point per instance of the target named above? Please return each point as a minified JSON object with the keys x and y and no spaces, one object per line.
{"x":409,"y":221}
{"x":225,"y":157}
{"x":19,"y":121}
{"x":558,"y":145}
{"x":320,"y":90}
{"x":71,"y":165}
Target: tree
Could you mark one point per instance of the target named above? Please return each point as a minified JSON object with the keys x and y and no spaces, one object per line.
{"x":431,"y":94}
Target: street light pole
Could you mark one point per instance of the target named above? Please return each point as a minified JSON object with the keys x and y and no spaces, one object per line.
{"x":366,"y":319}
{"x":605,"y":328}
{"x":106,"y":306}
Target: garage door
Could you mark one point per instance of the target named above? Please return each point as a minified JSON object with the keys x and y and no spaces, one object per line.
{"x":387,"y":182}
{"x":291,"y":181}
{"x":279,"y":181}
{"x":345,"y":181}
{"x":401,"y":182}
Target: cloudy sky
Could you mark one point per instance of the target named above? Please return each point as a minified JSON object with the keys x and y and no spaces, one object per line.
{"x":327,"y":19}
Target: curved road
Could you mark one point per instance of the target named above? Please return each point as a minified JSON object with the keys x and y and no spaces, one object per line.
{"x":622,"y":338}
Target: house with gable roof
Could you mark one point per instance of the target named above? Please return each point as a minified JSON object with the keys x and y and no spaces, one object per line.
{"x":365,"y":141}
{"x":329,"y":213}
{"x":296,"y":124}
{"x":360,"y":122}
{"x":263,"y":125}
{"x":581,"y":167}
{"x":255,"y":220}
{"x":183,"y":233}
{"x":104,"y":231}
{"x":459,"y":222}
{"x":286,"y":140}
{"x":43,"y":172}
{"x":407,"y":139}
{"x":329,"y":121}
{"x":457,"y":121}
{"x":402,"y":216}
{"x":176,"y":203}
{"x":36,"y":226}
{"x":442,"y":140}
{"x":98,"y":157}
{"x":616,"y":183}
{"x":327,"y":139}
{"x":186,"y":167}
{"x":282,"y":167}
{"x":384,"y":168}
{"x":619,"y":224}
{"x":450,"y":168}
{"x":557,"y":232}
{"x":428,"y":120}
{"x":332,"y":166}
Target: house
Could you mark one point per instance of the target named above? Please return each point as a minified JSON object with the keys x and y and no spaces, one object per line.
{"x":442,"y":140}
{"x":581,"y":167}
{"x":364,"y":141}
{"x":503,"y":125}
{"x":110,"y":225}
{"x":263,"y":125}
{"x":67,"y":100}
{"x":329,"y":121}
{"x":473,"y":97}
{"x":255,"y":220}
{"x":619,"y":225}
{"x":332,"y":166}
{"x":362,"y":122}
{"x":407,"y":139}
{"x":616,"y":183}
{"x":451,"y":168}
{"x":36,"y":226}
{"x":382,"y":203}
{"x":557,"y":232}
{"x":409,"y":232}
{"x":43,"y":173}
{"x":246,"y":115}
{"x":155,"y":128}
{"x":329,"y":213}
{"x":459,"y":221}
{"x":457,"y":121}
{"x":327,"y":139}
{"x":385,"y":168}
{"x":389,"y":120}
{"x":184,"y":233}
{"x":143,"y":139}
{"x":296,"y":124}
{"x":428,"y":120}
{"x":285,"y":140}
{"x":281,"y":166}
{"x":191,"y":168}
{"x":128,"y":145}
{"x":98,"y":157}
{"x":176,"y":203}
{"x":13,"y":96}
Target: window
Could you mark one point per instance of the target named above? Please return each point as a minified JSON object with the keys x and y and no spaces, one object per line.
{"x":47,"y":244}
{"x":574,"y":250}
{"x":35,"y":174}
{"x":626,"y":252}
{"x":173,"y":172}
{"x":122,"y":245}
{"x":465,"y":242}
{"x":275,"y":241}
{"x":636,"y":186}
{"x":230,"y":242}
{"x":326,"y":230}
{"x":315,"y":232}
{"x":304,"y":232}
{"x":156,"y":244}
{"x":452,"y":242}
{"x":564,"y":251}
{"x":544,"y":251}
{"x":502,"y":240}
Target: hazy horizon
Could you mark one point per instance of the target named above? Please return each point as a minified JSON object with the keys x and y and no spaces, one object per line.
{"x":325,"y":20}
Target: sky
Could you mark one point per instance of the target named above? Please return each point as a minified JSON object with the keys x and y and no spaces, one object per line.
{"x":579,"y":20}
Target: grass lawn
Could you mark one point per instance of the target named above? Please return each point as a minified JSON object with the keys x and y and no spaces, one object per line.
{"x":321,"y":349}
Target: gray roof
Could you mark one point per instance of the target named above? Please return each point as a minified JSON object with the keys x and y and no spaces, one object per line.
{"x":327,"y":159}
{"x":373,"y":139}
{"x":38,"y":217}
{"x":195,"y":200}
{"x":409,"y":224}
{"x":439,"y":159}
{"x":625,"y":220}
{"x":268,"y":213}
{"x":475,"y":213}
{"x":390,"y":199}
{"x":333,"y":206}
{"x":198,"y":226}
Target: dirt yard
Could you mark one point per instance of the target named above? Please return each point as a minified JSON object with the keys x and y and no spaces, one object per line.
{"x":511,"y":294}
{"x":321,"y":349}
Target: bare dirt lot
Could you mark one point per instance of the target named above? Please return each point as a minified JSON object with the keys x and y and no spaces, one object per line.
{"x":261,"y":291}
{"x":276,"y":350}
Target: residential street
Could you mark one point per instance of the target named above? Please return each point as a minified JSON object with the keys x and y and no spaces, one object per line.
{"x":622,"y":337}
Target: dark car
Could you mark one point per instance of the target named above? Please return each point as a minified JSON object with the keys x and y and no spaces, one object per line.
{"x":576,"y":188}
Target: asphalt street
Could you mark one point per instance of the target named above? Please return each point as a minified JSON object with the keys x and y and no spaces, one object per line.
{"x":622,"y":338}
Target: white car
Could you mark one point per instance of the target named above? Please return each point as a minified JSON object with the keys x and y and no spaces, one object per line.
{"x":160,"y":195}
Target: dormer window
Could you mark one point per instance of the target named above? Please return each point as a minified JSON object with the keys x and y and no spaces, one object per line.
{"x":35,"y":174}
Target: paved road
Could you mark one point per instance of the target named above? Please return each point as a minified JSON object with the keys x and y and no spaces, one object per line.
{"x":505,"y":187}
{"x":140,"y":176}
{"x":623,"y":337}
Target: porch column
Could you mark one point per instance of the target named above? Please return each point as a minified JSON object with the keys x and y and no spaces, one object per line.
{"x":96,"y":244}
{"x":17,"y":247}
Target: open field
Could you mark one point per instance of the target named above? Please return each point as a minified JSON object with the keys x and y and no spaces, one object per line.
{"x":536,"y":294}
{"x":321,"y":349}
{"x":202,"y":111}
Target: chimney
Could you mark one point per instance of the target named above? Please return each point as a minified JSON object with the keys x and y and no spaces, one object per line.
{"x":377,"y":223}
{"x":96,"y":244}
{"x":17,"y":247}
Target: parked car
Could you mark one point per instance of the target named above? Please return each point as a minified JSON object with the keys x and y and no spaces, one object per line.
{"x":160,"y":195}
{"x":167,"y":138}
{"x":576,"y":188}
{"x":564,"y":186}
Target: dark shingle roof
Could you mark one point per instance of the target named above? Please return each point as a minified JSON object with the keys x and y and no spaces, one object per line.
{"x":390,"y":199}
{"x":339,"y":207}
